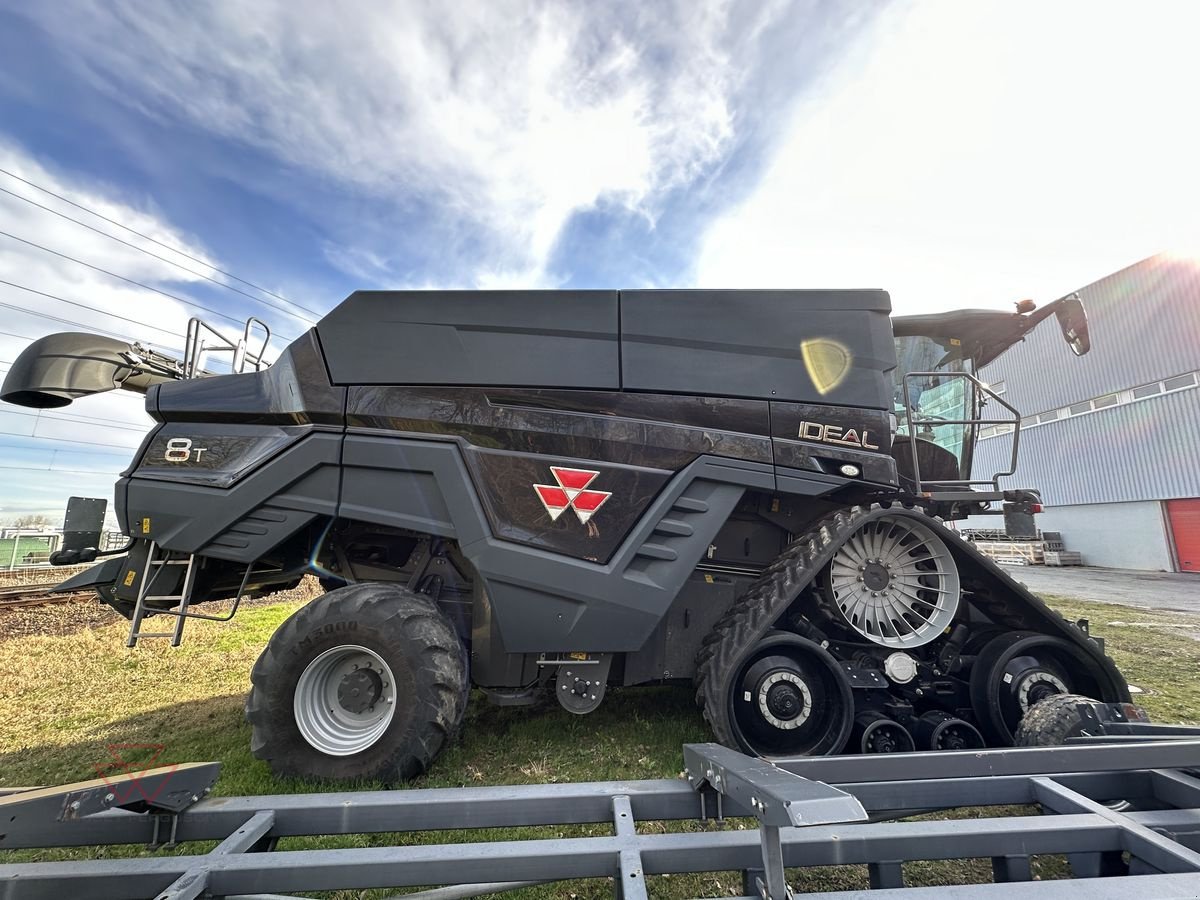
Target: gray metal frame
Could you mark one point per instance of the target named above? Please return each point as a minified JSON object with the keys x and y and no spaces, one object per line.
{"x":810,"y":811}
{"x":973,"y":422}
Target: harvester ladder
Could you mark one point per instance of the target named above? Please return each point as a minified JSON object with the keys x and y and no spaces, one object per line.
{"x":182,"y":601}
{"x":180,"y":604}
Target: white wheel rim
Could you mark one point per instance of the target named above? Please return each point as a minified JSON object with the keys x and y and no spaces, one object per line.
{"x":323,"y":719}
{"x":895,"y":583}
{"x":806,"y":700}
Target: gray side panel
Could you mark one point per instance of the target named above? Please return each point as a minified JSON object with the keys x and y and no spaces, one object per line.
{"x":543,"y":600}
{"x":259,"y":531}
{"x":756,"y":343}
{"x":562,"y":338}
{"x":186,"y":517}
{"x":429,"y":474}
{"x":397,"y":483}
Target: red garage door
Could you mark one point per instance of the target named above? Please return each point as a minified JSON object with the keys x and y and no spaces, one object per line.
{"x":1185,"y":525}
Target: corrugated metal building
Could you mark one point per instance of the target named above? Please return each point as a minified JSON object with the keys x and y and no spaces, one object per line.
{"x":1113,"y":438}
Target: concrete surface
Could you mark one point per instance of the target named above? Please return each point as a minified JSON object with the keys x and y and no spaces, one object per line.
{"x":1148,"y":590}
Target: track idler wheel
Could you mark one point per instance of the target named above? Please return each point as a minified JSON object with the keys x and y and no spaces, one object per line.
{"x":937,"y":730}
{"x":1015,"y":671}
{"x":789,"y":697}
{"x":895,"y":582}
{"x":875,"y":733}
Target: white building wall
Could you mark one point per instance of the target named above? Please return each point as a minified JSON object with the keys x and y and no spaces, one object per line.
{"x":1115,"y":535}
{"x":1110,"y":535}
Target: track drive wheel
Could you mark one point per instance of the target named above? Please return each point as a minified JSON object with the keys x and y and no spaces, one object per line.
{"x":1017,"y":670}
{"x":369,"y":681}
{"x":787,"y":697}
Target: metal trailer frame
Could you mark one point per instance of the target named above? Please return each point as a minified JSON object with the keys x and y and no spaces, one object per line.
{"x":810,"y":812}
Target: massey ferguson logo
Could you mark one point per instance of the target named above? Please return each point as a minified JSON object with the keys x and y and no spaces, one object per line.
{"x":570,"y":492}
{"x":835,"y":434}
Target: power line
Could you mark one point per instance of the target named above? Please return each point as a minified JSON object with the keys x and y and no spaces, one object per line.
{"x":72,"y":417}
{"x":65,"y":472}
{"x":147,"y":237}
{"x":103,"y":312}
{"x":171,"y":262}
{"x":42,"y":315}
{"x":175,"y":297}
{"x":66,"y":441}
{"x":24,"y":337}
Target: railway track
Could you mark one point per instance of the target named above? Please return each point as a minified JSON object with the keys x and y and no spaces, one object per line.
{"x":32,"y":595}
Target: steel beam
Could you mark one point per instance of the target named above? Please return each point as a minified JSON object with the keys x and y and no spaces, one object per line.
{"x":1092,"y":836}
{"x":551,"y":860}
{"x":1161,"y":852}
{"x":1005,"y":761}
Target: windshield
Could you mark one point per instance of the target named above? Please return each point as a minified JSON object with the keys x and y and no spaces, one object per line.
{"x":932,"y":398}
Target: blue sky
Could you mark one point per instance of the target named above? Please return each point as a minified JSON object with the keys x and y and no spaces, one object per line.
{"x":957,"y":154}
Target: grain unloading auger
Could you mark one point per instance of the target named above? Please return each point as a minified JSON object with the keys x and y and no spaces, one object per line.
{"x":532,"y":492}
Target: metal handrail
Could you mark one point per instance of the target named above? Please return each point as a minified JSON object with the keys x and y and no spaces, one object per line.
{"x":983,"y":389}
{"x":196,"y":346}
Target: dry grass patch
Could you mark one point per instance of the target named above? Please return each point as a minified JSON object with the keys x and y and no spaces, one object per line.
{"x":66,"y":697}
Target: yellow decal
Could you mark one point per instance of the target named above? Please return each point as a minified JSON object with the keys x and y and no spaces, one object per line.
{"x":129,"y":578}
{"x":775,"y":505}
{"x":577,"y":655}
{"x":955,"y":342}
{"x":146,"y":526}
{"x":828,"y":363}
{"x":709,"y":579}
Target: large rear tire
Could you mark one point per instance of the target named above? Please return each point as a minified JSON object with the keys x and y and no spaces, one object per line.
{"x":368,"y":682}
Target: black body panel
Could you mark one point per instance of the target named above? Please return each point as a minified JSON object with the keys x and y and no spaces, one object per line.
{"x":808,"y":346}
{"x":210,"y":453}
{"x":815,"y":346}
{"x":295,"y":390}
{"x":506,"y":484}
{"x":535,"y":338}
{"x":662,"y":431}
{"x":821,"y":438}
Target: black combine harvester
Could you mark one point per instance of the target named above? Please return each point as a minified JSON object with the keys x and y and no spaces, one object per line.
{"x":531,"y":492}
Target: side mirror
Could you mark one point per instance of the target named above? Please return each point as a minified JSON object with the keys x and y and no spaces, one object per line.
{"x":1072,"y":319}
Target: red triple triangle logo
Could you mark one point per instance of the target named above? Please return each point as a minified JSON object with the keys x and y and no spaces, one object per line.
{"x":571,"y":493}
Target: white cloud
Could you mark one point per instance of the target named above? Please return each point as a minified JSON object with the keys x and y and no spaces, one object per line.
{"x":97,"y":433}
{"x":503,"y":118}
{"x":975,"y":153}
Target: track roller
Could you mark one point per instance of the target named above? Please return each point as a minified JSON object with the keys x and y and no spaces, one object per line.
{"x":789,"y":697}
{"x":1017,"y":670}
{"x":875,"y":733}
{"x":937,"y":730}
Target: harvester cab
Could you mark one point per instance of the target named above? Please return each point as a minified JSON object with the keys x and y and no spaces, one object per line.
{"x":941,"y":406}
{"x":549,"y":493}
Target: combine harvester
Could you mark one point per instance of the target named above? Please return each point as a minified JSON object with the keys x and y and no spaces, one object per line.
{"x":554,"y":492}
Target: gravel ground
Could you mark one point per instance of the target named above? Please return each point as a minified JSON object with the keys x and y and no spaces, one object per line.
{"x":1147,"y":590}
{"x":88,"y":612}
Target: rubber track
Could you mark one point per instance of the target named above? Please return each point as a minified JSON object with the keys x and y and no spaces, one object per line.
{"x":759,"y":608}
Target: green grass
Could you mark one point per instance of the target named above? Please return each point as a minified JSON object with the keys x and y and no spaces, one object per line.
{"x":67,"y":697}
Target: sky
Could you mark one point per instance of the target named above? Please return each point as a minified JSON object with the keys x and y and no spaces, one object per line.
{"x":955,"y":154}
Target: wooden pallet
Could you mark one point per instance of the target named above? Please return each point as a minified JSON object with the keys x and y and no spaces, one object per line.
{"x":1063,"y":558}
{"x":1029,"y":553}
